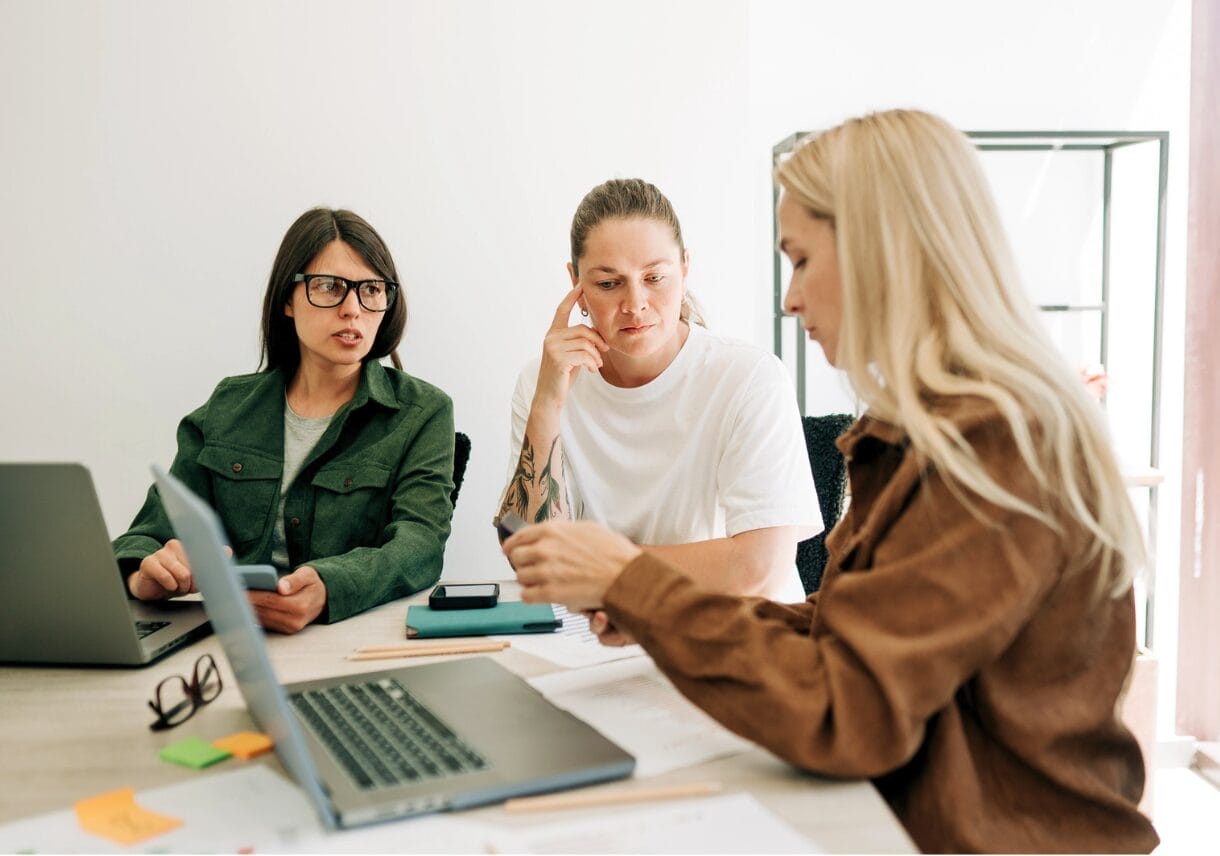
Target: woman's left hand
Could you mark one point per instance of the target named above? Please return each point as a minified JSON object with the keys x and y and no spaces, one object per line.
{"x":568,"y":562}
{"x":297,"y":600}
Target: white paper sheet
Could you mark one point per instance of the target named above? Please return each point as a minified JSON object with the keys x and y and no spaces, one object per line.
{"x":634,"y":705}
{"x":572,"y":646}
{"x":432,"y":833}
{"x":734,"y":823}
{"x":222,"y":812}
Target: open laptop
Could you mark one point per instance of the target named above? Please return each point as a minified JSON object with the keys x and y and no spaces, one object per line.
{"x":63,"y":600}
{"x":395,"y":743}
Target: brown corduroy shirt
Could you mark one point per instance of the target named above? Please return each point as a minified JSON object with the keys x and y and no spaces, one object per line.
{"x":966,"y":669}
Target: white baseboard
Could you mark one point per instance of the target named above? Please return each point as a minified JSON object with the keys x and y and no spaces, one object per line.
{"x":1207,"y":762}
{"x":1175,"y":752}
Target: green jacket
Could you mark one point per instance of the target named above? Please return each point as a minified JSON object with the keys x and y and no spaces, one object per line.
{"x":370,"y":509}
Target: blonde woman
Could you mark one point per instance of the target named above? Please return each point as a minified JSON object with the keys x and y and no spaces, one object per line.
{"x":975,"y":628}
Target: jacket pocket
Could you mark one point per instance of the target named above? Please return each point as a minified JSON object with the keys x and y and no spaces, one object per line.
{"x":246,"y":487}
{"x":352,"y":507}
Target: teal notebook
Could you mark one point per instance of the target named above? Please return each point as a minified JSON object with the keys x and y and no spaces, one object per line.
{"x":511,"y":616}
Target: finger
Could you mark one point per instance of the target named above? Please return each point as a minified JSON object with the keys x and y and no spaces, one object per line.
{"x":298,"y":580}
{"x":263,"y":599}
{"x":594,"y":335}
{"x":152,"y":572}
{"x":580,"y":335}
{"x":280,"y":614}
{"x":176,"y":576}
{"x":535,"y":594}
{"x":173,"y":558}
{"x":290,"y":584}
{"x":614,"y":639}
{"x":565,"y":309}
{"x":578,"y":349}
{"x":598,"y":622}
{"x":175,"y":548}
{"x":576,"y":333}
{"x":522,"y":537}
{"x":528,"y":574}
{"x":573,"y":361}
{"x":575,"y":358}
{"x":272,"y":619}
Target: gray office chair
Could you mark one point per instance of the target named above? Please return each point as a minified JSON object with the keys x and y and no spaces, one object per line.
{"x":461,"y":454}
{"x":830,"y":478}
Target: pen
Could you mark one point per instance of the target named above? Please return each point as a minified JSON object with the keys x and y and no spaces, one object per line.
{"x":422,"y":649}
{"x":582,"y":799}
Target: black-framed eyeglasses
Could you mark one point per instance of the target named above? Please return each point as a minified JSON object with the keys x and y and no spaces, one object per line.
{"x":175,"y":700}
{"x":325,"y":291}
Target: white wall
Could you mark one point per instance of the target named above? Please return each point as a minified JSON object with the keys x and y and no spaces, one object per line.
{"x":154,"y":153}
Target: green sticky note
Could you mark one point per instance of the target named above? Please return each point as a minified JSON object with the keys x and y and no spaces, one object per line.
{"x":193,"y":752}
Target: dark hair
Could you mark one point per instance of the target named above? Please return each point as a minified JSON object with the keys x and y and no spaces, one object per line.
{"x":627,"y":199}
{"x":304,"y":239}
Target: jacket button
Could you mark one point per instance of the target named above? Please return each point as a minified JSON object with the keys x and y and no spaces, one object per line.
{"x":347,"y":482}
{"x":237,"y":468}
{"x":296,"y":521}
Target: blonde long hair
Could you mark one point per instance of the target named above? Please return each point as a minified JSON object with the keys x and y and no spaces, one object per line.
{"x":932,"y":309}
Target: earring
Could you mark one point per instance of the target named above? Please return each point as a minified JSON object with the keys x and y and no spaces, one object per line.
{"x":584,"y":313}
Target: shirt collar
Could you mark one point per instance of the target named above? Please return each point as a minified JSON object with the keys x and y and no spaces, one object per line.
{"x":375,"y":385}
{"x":963,"y":410}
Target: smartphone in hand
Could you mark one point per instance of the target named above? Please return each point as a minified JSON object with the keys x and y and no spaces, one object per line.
{"x":258,"y":577}
{"x":508,"y":524}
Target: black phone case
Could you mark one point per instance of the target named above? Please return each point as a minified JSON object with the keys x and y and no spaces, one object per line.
{"x":464,"y":602}
{"x":507,"y":525}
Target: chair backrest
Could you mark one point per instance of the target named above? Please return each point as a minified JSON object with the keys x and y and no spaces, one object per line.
{"x":461,"y":454}
{"x":830,"y":478}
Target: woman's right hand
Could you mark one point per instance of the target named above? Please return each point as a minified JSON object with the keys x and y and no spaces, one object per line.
{"x":566,"y":350}
{"x":165,"y":573}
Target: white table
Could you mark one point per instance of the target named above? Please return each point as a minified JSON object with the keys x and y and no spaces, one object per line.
{"x":70,"y":733}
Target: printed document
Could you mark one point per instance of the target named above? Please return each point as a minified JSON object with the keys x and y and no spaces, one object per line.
{"x":637,"y":707}
{"x":734,"y":823}
{"x":572,"y":646}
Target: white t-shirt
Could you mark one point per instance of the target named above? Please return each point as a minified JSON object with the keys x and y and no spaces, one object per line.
{"x":710,"y":448}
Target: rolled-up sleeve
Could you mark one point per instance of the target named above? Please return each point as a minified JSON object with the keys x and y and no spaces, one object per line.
{"x":850,"y":693}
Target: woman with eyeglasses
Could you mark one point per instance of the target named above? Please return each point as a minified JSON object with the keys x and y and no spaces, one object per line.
{"x":326,"y":464}
{"x":646,"y":421}
{"x":975,"y":628}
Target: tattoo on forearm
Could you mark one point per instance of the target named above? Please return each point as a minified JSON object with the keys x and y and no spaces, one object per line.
{"x":545,"y":487}
{"x":552,"y":491}
{"x":518,"y":496}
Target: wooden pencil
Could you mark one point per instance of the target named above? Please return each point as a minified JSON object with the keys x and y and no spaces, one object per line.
{"x":590,"y":799}
{"x":426,"y":649}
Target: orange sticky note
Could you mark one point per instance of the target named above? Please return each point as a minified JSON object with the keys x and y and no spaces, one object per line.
{"x":245,"y":744}
{"x":116,"y":816}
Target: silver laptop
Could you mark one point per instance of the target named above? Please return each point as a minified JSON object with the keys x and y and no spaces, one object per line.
{"x":63,"y":598}
{"x":390,"y":744}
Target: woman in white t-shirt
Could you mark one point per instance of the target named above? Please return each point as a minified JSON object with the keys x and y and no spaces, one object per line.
{"x":686,"y":442}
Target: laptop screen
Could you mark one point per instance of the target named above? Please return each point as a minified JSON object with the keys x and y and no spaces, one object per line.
{"x":233,"y":621}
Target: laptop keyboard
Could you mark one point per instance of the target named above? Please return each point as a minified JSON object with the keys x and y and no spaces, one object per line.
{"x":148,"y":628}
{"x":383,"y":736}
